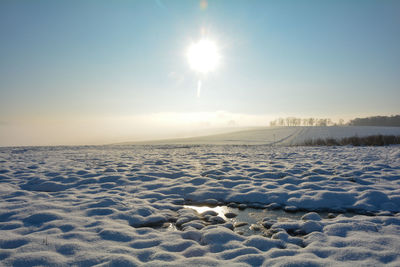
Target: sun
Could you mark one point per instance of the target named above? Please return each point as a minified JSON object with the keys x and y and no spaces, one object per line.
{"x":203,"y":56}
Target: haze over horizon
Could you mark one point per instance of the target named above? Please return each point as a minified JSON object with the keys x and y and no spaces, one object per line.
{"x":94,"y":72}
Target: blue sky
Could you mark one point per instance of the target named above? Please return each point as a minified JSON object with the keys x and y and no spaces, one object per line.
{"x":70,"y":70}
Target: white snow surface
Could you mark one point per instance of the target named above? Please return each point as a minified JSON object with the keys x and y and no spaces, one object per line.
{"x":94,"y":206}
{"x":288,"y":135}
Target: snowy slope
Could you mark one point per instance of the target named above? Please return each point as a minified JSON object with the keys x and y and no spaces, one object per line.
{"x":96,"y":206}
{"x":281,"y":135}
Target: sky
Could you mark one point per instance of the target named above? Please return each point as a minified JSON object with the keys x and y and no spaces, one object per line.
{"x":96,"y":72}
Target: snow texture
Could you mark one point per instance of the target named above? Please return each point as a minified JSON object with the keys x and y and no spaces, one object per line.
{"x":123,"y":205}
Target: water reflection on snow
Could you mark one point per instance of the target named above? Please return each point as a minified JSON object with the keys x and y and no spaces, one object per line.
{"x":220,"y":210}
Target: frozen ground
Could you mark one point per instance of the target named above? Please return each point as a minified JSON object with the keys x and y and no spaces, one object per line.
{"x":281,"y":135}
{"x":85,"y":206}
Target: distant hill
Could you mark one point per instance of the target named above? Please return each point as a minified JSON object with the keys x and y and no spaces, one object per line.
{"x":285,"y":135}
{"x":377,"y":121}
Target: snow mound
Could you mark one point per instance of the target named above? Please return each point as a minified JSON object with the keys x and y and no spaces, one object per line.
{"x":124,"y":205}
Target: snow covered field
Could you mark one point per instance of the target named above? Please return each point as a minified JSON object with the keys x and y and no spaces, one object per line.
{"x":123,"y":205}
{"x":292,"y":135}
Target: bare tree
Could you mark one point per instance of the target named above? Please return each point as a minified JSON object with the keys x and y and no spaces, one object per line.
{"x":294,"y":121}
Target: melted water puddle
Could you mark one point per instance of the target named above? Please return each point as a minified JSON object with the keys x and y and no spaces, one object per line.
{"x":249,"y":220}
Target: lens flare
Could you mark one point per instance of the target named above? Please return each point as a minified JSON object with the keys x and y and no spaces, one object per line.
{"x":198,"y":88}
{"x":203,"y":4}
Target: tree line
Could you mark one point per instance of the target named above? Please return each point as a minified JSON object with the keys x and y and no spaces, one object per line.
{"x":393,"y":120}
{"x":294,"y":121}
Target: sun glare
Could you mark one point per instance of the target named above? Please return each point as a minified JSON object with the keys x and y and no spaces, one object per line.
{"x":203,"y":56}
